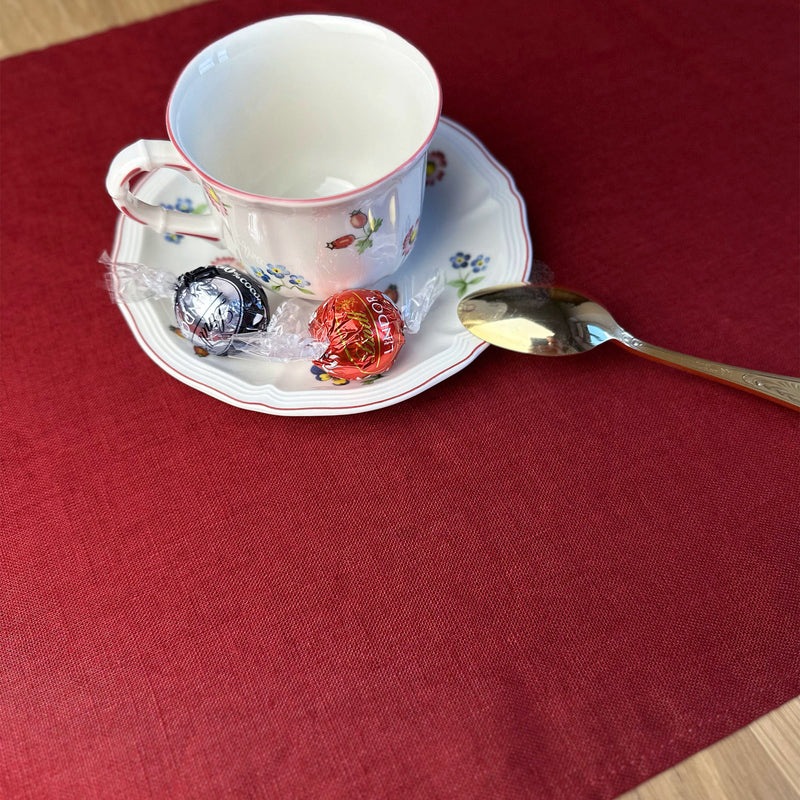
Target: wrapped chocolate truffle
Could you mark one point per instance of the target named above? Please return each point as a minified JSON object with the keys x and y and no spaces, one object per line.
{"x":364,"y":332}
{"x":355,"y":334}
{"x":215,"y":303}
{"x":212,"y":304}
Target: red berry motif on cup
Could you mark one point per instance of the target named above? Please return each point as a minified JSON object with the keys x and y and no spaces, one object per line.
{"x":341,"y":242}
{"x":366,"y":223}
{"x":358,"y":219}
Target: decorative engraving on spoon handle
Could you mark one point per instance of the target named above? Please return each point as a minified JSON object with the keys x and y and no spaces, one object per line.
{"x":780,"y":388}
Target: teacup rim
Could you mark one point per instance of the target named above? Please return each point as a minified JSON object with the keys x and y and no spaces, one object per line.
{"x":303,"y":201}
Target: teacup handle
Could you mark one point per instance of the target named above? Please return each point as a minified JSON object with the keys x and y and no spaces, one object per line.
{"x":149,"y":155}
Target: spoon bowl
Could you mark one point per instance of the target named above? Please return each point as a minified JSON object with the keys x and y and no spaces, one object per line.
{"x":554,"y":321}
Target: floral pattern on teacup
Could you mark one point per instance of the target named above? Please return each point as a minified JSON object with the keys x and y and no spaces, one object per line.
{"x":215,"y":200}
{"x":410,"y":238}
{"x":278,"y":277}
{"x":366,"y":224}
{"x":227,"y":261}
{"x":275,"y":276}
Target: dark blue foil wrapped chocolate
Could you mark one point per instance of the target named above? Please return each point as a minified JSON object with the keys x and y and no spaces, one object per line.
{"x":215,"y":303}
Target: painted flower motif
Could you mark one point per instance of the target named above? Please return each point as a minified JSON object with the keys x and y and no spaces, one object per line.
{"x":198,"y":351}
{"x":467,"y":277}
{"x":480,"y":263}
{"x":341,"y":242}
{"x":185,"y":206}
{"x":326,"y":377}
{"x":366,"y":223}
{"x":215,"y":200}
{"x":271,"y":271}
{"x":435,"y":168}
{"x":392,"y":293}
{"x":410,"y":238}
{"x":276,"y":271}
{"x":278,"y":277}
{"x":459,"y":260}
{"x":323,"y":376}
{"x":358,"y":219}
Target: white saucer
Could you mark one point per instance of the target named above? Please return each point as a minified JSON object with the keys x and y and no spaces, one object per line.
{"x":472,"y":208}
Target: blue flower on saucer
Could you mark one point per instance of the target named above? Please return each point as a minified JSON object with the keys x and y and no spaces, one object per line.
{"x":298,"y":280}
{"x":469,"y":277}
{"x":183,"y":204}
{"x":323,"y":376}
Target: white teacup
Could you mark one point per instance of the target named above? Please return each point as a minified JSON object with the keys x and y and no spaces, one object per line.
{"x":309,"y":136}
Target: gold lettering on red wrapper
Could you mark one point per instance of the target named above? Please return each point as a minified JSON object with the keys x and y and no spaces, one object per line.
{"x":364,"y":330}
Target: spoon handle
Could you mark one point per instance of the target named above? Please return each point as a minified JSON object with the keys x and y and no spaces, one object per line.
{"x":779,"y":388}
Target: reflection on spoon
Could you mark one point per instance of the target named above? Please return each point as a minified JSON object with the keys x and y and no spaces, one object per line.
{"x":551,"y":321}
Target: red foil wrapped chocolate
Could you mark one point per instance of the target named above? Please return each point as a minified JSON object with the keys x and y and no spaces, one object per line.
{"x":365,"y":332}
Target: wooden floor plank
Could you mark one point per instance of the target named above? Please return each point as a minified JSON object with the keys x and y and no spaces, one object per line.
{"x":33,"y":24}
{"x":759,"y":762}
{"x":779,"y":735}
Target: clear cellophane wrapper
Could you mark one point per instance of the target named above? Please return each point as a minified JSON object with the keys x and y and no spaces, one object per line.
{"x":287,"y":336}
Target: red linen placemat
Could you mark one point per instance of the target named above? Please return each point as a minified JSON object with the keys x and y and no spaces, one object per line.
{"x":538,"y":579}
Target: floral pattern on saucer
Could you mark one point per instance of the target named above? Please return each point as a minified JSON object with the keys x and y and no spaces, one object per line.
{"x":333,"y":380}
{"x":436,"y":167}
{"x":187,"y":206}
{"x":198,"y":351}
{"x":469,"y":271}
{"x":473,"y":212}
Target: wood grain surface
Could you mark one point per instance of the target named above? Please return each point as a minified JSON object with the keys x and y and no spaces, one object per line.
{"x":32,"y":24}
{"x":760,"y":762}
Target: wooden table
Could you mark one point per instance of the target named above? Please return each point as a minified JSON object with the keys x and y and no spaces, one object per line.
{"x":760,"y":762}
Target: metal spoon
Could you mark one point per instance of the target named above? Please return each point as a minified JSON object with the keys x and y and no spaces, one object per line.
{"x":551,"y":321}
